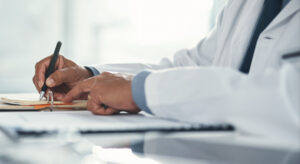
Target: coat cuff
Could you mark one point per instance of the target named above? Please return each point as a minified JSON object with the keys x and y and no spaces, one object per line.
{"x":93,"y":70}
{"x":138,"y":90}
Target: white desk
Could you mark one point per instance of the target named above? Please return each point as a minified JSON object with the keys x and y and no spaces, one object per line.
{"x":178,"y":147}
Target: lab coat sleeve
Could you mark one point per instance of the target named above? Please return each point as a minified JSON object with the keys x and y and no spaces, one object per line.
{"x":201,"y":55}
{"x":265,"y":104}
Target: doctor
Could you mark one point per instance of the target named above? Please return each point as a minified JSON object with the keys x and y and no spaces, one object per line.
{"x":235,"y":75}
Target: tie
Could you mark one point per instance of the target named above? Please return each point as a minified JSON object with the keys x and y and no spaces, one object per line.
{"x":270,"y":9}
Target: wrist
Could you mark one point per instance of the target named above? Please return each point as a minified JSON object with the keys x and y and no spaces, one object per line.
{"x":138,"y":90}
{"x":133,"y":104}
{"x":86,"y":73}
{"x":92,"y":70}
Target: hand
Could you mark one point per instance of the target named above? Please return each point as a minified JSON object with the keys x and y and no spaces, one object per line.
{"x":113,"y":90}
{"x":66,"y":76}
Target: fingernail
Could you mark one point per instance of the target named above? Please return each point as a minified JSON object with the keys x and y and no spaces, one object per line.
{"x":41,"y":84}
{"x":50,"y":82}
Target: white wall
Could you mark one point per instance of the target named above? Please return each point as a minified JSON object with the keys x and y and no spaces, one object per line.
{"x":28,"y":32}
{"x":95,"y":32}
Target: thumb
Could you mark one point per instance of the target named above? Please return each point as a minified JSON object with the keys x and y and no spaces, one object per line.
{"x":59,"y":77}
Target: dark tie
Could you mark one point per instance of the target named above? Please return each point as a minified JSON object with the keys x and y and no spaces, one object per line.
{"x":270,"y":9}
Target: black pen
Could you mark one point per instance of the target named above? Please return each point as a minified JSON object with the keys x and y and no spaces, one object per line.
{"x":50,"y":68}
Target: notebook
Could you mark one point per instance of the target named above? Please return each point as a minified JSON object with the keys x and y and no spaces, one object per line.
{"x":7,"y":104}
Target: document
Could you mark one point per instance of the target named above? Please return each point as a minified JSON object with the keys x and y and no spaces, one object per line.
{"x":7,"y":104}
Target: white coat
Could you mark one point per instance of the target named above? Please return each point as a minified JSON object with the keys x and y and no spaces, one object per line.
{"x":203,"y":84}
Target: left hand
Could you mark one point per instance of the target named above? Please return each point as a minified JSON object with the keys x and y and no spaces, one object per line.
{"x":111,"y":89}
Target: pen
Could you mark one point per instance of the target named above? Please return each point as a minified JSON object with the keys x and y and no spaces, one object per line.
{"x":291,"y":55}
{"x":50,"y":68}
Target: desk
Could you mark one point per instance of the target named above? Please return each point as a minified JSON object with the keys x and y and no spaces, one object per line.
{"x":150,"y":147}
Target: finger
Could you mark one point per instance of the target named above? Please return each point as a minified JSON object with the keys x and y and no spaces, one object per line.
{"x":35,"y":83}
{"x":41,"y":67}
{"x":78,"y":90}
{"x":92,"y":105}
{"x":58,"y":96}
{"x":60,"y":76}
{"x":98,"y":108}
{"x":40,"y":74}
{"x":107,"y":111}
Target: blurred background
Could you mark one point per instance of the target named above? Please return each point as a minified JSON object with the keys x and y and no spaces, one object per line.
{"x":96,"y":32}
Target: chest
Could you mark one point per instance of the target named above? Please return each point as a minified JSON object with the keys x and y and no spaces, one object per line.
{"x":239,"y":22}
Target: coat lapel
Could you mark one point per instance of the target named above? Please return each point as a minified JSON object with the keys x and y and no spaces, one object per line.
{"x":292,"y":7}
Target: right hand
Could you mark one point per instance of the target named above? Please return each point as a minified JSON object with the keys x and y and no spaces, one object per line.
{"x":66,"y":75}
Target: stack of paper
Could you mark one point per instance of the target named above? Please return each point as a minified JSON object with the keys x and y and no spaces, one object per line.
{"x":16,"y":104}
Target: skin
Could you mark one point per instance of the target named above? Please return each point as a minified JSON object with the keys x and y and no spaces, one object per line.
{"x":61,"y":81}
{"x":111,"y":89}
{"x":107,"y":93}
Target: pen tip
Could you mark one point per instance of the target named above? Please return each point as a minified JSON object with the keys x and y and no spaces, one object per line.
{"x":42,"y":93}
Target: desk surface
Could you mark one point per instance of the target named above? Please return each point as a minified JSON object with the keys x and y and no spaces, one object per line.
{"x":150,"y":147}
{"x":181,"y":147}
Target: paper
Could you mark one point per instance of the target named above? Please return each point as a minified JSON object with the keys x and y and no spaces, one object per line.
{"x":20,"y":104}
